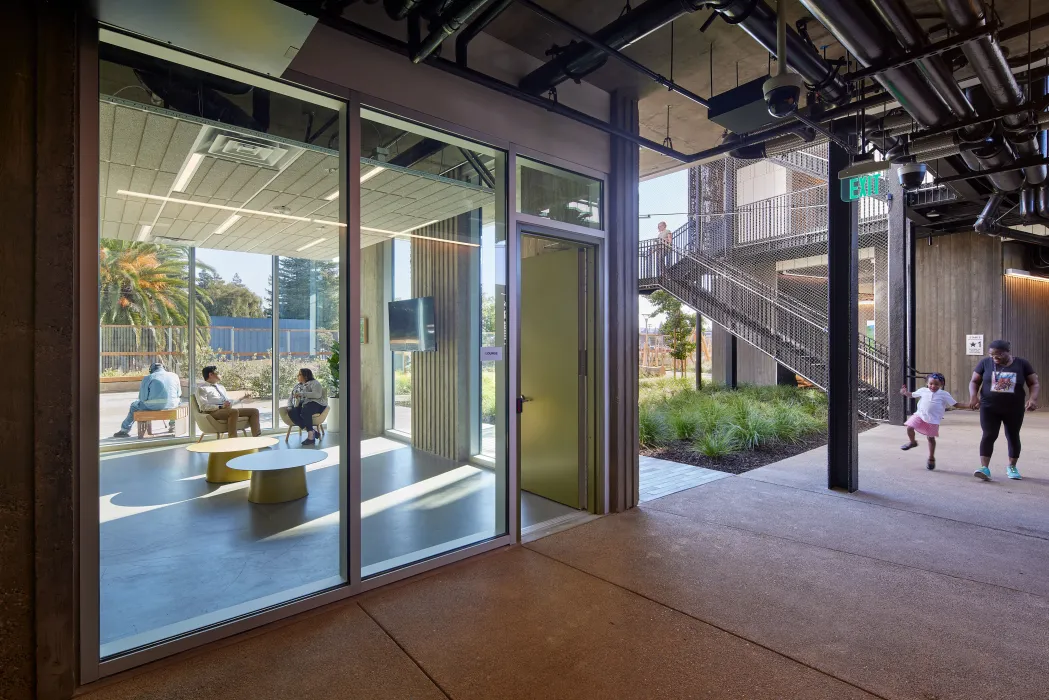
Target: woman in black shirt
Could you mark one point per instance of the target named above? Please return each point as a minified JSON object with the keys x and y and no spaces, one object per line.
{"x":997,"y":388}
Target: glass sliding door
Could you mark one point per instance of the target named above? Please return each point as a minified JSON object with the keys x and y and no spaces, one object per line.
{"x":218,"y":250}
{"x":433,"y":401}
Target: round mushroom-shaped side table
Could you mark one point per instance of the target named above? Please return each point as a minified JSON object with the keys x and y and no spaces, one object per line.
{"x":221,"y":451}
{"x":277,"y":476}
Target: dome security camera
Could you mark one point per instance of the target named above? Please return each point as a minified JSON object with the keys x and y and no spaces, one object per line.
{"x":783,"y":94}
{"x":912,"y":175}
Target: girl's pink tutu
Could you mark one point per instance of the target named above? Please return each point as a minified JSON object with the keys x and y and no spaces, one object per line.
{"x":927,"y":429}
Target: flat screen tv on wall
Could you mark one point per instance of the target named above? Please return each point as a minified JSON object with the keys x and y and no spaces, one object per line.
{"x":412,"y":326}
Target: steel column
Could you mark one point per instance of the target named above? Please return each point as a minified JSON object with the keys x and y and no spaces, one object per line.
{"x":899,"y":234}
{"x":732,"y":367}
{"x":912,"y":313}
{"x":622,"y":308}
{"x":843,"y":330}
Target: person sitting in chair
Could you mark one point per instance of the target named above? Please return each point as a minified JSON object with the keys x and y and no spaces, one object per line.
{"x":308,"y":399}
{"x":159,"y":390}
{"x":212,"y":399}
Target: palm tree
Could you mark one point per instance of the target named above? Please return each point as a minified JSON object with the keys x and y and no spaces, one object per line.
{"x":144,"y":285}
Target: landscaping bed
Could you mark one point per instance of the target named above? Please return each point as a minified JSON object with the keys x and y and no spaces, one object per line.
{"x":732,"y":431}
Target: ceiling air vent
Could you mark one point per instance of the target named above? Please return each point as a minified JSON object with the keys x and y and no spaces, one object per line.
{"x":242,"y":148}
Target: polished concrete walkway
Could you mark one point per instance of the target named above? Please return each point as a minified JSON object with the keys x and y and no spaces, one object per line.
{"x":924,"y":585}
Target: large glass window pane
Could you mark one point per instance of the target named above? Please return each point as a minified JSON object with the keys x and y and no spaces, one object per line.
{"x":433,"y":368}
{"x":219,"y":234}
{"x":559,"y":195}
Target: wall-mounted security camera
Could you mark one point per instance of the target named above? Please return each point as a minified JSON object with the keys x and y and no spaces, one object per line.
{"x":912,"y":175}
{"x":783,"y":94}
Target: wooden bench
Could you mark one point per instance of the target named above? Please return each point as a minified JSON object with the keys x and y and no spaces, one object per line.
{"x":145,"y":418}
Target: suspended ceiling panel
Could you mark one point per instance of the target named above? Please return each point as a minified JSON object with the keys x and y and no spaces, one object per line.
{"x":290,"y":208}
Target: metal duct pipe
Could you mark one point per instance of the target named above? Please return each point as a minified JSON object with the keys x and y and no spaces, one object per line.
{"x":1042,"y":202}
{"x":448,"y":24}
{"x":757,"y":19}
{"x":988,"y":62}
{"x":579,"y":59}
{"x":985,"y":221}
{"x":772,"y":147}
{"x":906,"y":28}
{"x":1028,"y":205}
{"x":399,"y":9}
{"x":861,"y":32}
{"x":992,"y":152}
{"x":462,"y":42}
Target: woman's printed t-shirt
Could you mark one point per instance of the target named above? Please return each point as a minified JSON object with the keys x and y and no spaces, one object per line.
{"x":932,"y":404}
{"x":1003,"y":387}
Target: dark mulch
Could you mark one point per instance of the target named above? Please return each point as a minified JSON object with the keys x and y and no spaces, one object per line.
{"x":682,"y":452}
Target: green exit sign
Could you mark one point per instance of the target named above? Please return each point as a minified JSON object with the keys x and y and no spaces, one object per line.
{"x":859,"y":186}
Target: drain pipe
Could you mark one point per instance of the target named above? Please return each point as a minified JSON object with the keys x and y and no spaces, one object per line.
{"x":756,"y":18}
{"x":985,"y":221}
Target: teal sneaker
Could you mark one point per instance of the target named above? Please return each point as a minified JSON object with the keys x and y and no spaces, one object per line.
{"x":983,"y":473}
{"x":1012,"y":472}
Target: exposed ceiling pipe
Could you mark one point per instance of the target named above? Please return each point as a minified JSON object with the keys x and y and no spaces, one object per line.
{"x":579,"y":59}
{"x":399,"y":9}
{"x":479,"y":24}
{"x":1042,"y":202}
{"x":861,"y":32}
{"x":446,"y":25}
{"x":756,"y":18}
{"x":987,"y":60}
{"x":985,"y":222}
{"x":906,"y":28}
{"x":1028,"y":205}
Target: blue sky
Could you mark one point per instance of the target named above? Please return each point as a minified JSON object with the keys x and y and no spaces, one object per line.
{"x":661,"y":199}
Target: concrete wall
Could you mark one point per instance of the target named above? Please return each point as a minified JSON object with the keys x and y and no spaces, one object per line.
{"x":752,"y":365}
{"x":343,"y":61}
{"x":958,"y":292}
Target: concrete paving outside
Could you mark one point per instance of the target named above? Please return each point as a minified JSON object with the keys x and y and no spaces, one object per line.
{"x":924,"y":585}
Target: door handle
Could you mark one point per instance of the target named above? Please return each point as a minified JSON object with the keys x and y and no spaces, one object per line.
{"x":521,"y":400}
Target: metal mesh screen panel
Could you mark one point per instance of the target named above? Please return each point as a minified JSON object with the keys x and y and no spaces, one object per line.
{"x":753,"y":257}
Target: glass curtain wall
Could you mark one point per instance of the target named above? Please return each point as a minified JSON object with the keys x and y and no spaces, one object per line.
{"x":218,"y":248}
{"x":433,"y":366}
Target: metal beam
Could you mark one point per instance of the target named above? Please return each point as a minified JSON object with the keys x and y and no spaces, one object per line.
{"x":914,"y":56}
{"x":1015,"y":165}
{"x":611,"y":52}
{"x":843,"y":247}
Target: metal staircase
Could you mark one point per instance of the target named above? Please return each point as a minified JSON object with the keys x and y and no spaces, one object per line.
{"x":803,"y":162}
{"x":784,"y":327}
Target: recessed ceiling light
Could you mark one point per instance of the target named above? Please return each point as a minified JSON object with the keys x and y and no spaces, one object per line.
{"x":143,"y":232}
{"x":372,"y":173}
{"x":227,"y":223}
{"x":310,"y":245}
{"x":188,"y":171}
{"x":428,"y":223}
{"x":282,"y":209}
{"x":333,"y":196}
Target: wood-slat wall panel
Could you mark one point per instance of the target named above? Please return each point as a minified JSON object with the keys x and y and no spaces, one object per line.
{"x":958,"y":291}
{"x":1025,"y":319}
{"x":440,"y":381}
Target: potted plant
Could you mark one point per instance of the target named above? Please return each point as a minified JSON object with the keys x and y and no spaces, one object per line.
{"x":333,"y":420}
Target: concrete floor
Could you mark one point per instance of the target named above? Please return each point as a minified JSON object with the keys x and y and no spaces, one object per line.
{"x":178,"y":553}
{"x":925,"y":585}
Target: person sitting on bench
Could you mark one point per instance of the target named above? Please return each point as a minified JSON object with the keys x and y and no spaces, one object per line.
{"x":159,"y":390}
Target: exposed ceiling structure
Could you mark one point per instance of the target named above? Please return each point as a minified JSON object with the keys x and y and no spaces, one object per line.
{"x":173,"y":179}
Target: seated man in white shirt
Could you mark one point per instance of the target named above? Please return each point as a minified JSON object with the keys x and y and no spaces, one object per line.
{"x":212,"y":399}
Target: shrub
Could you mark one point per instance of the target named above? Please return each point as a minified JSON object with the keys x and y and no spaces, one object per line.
{"x":716,"y":444}
{"x":684,"y":423}
{"x":402,"y":383}
{"x":788,"y":422}
{"x":652,"y":430}
{"x":750,"y":427}
{"x":488,"y":397}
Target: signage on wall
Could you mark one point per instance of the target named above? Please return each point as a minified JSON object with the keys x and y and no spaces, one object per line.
{"x":492,"y":354}
{"x":974,"y":345}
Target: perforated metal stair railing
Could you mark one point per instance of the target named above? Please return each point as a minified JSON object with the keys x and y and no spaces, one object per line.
{"x":784,"y":327}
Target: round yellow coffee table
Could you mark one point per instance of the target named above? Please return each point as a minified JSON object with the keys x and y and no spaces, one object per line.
{"x":277,"y":476}
{"x":221,"y":451}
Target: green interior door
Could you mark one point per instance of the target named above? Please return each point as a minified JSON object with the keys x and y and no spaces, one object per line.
{"x":550,"y":417}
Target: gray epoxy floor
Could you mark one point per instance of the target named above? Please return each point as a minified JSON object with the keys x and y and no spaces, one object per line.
{"x":179,"y":553}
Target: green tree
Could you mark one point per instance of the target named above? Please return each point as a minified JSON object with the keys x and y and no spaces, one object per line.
{"x":301,"y":281}
{"x":229,"y":298}
{"x":145,"y":285}
{"x":677,"y":328}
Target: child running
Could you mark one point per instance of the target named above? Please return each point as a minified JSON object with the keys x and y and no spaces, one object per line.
{"x":933,"y":402}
